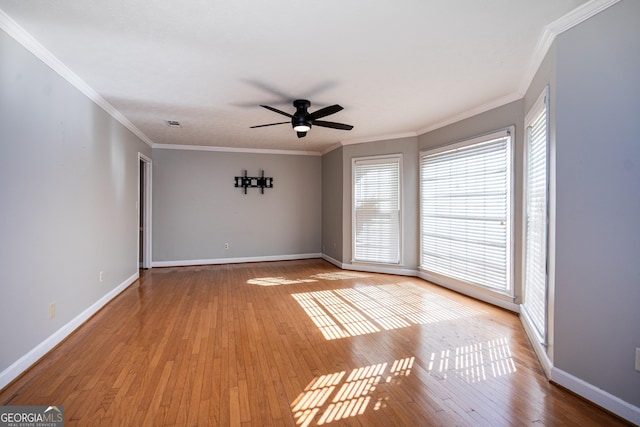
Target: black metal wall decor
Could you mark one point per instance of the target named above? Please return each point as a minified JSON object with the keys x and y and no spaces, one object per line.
{"x":260,"y":182}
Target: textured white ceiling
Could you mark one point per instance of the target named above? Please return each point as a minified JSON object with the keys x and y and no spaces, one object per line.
{"x":396,"y":67}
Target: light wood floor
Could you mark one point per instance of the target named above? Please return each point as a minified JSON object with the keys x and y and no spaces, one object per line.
{"x":297,"y":343}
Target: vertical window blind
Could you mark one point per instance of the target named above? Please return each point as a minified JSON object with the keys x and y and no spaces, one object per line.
{"x":536,"y":185}
{"x":376,"y":210}
{"x":465,"y":206}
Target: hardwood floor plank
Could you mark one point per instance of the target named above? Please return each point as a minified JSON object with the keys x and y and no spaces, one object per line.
{"x":156,"y":400}
{"x":297,"y":343}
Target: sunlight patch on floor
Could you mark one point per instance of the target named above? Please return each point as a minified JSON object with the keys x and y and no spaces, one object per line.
{"x":474,"y":362}
{"x":340,"y":275}
{"x":277,"y":281}
{"x":333,"y":316}
{"x":363,"y":310}
{"x":333,"y":397}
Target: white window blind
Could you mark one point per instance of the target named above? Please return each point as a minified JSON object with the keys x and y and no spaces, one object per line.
{"x":376,"y":210}
{"x":465,"y":211}
{"x":535,"y":257}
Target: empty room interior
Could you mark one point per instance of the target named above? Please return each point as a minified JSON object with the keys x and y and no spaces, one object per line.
{"x":332,"y":213}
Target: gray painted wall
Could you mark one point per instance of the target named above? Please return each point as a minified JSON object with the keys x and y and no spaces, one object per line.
{"x":68,"y":186}
{"x":332,"y":188}
{"x":597,"y":306}
{"x":408,"y":148}
{"x":196,"y":208}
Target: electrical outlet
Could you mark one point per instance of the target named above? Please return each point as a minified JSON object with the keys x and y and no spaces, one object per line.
{"x":638,"y":359}
{"x":101,"y":276}
{"x":52,"y":310}
{"x":226,"y":245}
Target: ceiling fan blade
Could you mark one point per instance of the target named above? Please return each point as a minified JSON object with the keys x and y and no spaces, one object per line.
{"x":323,"y":112}
{"x":270,"y":124}
{"x":301,"y":134}
{"x":332,"y":125}
{"x":276,"y":110}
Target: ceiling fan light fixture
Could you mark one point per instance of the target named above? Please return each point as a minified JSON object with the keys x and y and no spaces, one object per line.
{"x":301,"y":128}
{"x":299,"y":120}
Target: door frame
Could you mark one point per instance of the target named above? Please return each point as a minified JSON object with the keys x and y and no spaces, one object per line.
{"x":144,"y":220}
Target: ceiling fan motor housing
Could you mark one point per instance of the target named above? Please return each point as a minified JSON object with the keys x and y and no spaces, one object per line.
{"x":300,"y":116}
{"x":301,"y":105}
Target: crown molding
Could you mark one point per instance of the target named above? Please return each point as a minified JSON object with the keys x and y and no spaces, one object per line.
{"x":235,"y":150}
{"x":378,"y":138}
{"x":559,"y":26}
{"x":20,"y":35}
{"x":368,"y":139}
{"x":579,"y":15}
{"x":473,"y":112}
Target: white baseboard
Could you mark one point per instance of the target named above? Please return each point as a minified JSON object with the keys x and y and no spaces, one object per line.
{"x":476,"y":292}
{"x":332,"y":260}
{"x":580,"y":387}
{"x":371,"y":268}
{"x":538,"y":347}
{"x":596,"y":395}
{"x":216,"y":261}
{"x":26,"y":361}
{"x":374,"y":268}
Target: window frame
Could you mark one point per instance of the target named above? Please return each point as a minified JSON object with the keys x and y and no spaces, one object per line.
{"x":379,"y":159}
{"x":541,"y":104}
{"x":481,"y":291}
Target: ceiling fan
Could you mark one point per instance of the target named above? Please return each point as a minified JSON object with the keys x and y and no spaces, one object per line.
{"x":302,"y":120}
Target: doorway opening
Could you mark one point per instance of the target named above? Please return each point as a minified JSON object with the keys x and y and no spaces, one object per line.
{"x":144,"y":211}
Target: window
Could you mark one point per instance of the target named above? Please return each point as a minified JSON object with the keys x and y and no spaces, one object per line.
{"x":376,"y":209}
{"x":536,"y":215}
{"x":465,"y":211}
